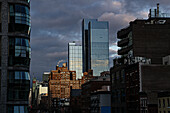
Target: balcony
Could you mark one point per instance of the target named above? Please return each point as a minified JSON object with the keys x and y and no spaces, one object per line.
{"x":123,"y":42}
{"x":124,"y":50}
{"x":123,"y":32}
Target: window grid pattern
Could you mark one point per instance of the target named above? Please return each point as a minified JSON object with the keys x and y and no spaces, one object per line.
{"x":18,"y":85}
{"x":75,"y":60}
{"x":19,"y":18}
{"x":19,"y":51}
{"x":21,"y":14}
{"x":99,"y":48}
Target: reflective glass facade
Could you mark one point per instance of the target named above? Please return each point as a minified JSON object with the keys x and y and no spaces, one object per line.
{"x":18,"y":85}
{"x":75,"y":59}
{"x":96,"y":45}
{"x":85,"y":44}
{"x":19,"y":18}
{"x":15,"y":54}
{"x":17,"y":109}
{"x":19,"y":51}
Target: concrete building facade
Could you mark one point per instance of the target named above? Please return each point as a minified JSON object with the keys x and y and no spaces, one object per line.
{"x":15,"y":55}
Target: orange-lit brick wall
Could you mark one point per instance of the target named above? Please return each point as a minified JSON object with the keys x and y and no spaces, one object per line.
{"x":61,"y":81}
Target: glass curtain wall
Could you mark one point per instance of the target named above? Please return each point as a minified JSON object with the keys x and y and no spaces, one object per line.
{"x":75,"y":59}
{"x":18,"y":85}
{"x":19,"y":51}
{"x":19,"y":18}
{"x":99,"y":47}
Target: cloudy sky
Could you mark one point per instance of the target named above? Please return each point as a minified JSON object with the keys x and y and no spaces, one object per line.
{"x":57,"y":22}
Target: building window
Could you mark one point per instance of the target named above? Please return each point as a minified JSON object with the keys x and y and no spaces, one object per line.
{"x":18,"y":85}
{"x":168,"y":102}
{"x":159,"y":103}
{"x":19,"y":51}
{"x":17,"y":109}
{"x":19,"y":18}
{"x":163,"y":102}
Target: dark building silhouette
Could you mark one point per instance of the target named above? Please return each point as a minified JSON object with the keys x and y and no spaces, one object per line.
{"x":143,"y":45}
{"x":75,"y":101}
{"x":90,"y":87}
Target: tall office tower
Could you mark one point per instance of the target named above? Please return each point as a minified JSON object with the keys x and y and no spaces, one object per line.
{"x":15,"y":55}
{"x":75,"y":59}
{"x":85,"y":38}
{"x":95,"y":41}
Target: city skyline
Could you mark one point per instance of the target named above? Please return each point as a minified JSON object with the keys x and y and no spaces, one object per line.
{"x":53,"y":27}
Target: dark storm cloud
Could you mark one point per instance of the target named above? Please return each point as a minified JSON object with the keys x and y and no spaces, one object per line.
{"x":57,"y":22}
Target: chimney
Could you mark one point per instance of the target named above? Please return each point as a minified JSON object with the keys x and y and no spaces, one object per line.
{"x":57,"y":67}
{"x":157,"y":9}
{"x":150,"y":13}
{"x":155,"y":12}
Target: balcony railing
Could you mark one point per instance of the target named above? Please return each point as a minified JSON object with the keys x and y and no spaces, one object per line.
{"x":123,"y":42}
{"x":124,"y":50}
{"x":123,"y":32}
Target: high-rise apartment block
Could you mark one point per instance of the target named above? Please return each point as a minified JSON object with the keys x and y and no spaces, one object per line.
{"x":14,"y":55}
{"x":95,"y":42}
{"x":75,"y":59}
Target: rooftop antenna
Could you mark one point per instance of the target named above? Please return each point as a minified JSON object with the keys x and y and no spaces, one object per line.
{"x":157,"y":9}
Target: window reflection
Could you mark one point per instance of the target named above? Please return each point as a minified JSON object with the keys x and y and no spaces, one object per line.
{"x":18,"y":85}
{"x":17,"y":109}
{"x":19,"y":18}
{"x":19,"y":51}
{"x":75,"y":59}
{"x":99,"y":57}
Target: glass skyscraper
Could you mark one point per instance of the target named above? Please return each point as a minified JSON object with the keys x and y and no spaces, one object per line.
{"x":15,"y":55}
{"x":95,"y":41}
{"x":75,"y":59}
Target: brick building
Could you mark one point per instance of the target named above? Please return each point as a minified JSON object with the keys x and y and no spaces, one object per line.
{"x":61,"y":81}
